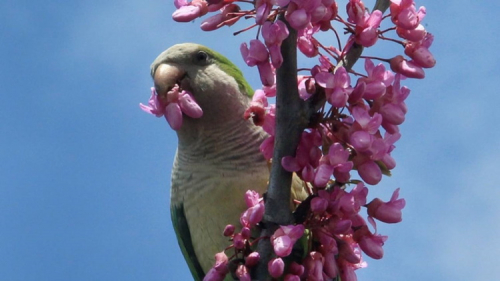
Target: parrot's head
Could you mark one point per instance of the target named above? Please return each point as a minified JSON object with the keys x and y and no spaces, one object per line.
{"x":215,"y":82}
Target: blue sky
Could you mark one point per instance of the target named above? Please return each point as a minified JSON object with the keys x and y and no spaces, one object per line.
{"x":84,"y":173}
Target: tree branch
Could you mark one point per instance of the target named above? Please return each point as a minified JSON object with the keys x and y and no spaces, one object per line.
{"x":292,"y":121}
{"x":292,"y":117}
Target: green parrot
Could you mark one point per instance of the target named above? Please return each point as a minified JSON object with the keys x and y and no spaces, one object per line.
{"x":218,"y":157}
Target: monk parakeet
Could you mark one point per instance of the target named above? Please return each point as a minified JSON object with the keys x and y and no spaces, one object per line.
{"x":218,"y":157}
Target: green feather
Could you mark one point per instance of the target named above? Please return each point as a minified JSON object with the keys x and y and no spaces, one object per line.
{"x":184,"y":238}
{"x":231,"y":69}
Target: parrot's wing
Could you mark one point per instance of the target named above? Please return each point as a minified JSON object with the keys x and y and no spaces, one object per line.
{"x":184,"y":238}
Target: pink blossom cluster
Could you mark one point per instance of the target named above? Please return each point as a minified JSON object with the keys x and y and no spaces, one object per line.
{"x":244,"y":258}
{"x":338,"y":235}
{"x":172,"y":106}
{"x":355,"y":132}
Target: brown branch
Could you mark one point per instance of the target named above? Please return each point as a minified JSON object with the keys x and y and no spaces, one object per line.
{"x":292,"y":117}
{"x":292,"y":121}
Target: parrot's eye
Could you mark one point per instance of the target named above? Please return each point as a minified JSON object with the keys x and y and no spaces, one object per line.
{"x":201,"y":57}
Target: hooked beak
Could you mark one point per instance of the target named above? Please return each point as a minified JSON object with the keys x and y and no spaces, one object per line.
{"x":165,"y":78}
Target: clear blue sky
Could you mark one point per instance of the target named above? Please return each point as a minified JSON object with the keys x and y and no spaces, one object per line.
{"x":84,"y":173}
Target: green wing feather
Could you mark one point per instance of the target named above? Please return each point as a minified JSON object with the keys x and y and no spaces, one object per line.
{"x":184,"y":238}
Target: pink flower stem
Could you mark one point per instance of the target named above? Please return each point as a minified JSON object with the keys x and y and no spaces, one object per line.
{"x":258,"y":239}
{"x":375,"y":58}
{"x":326,"y":50}
{"x":349,"y":26}
{"x":245,"y":29}
{"x":390,"y":39}
{"x":386,"y":30}
{"x":338,"y":38}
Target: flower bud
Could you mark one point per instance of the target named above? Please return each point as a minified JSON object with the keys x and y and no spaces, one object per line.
{"x":238,"y":241}
{"x":229,"y":230}
{"x":276,"y":267}
{"x":408,"y":68}
{"x":370,"y":172}
{"x":242,"y":273}
{"x":389,"y":212}
{"x":319,"y":205}
{"x":252,"y":259}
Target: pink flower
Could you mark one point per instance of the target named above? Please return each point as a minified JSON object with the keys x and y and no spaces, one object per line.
{"x":367,"y":31}
{"x":282,"y":245}
{"x":319,"y":205}
{"x":324,"y":14}
{"x":221,"y":261}
{"x":267,"y":147}
{"x":268,"y":124}
{"x":337,"y":86}
{"x":291,"y":277}
{"x":242,"y":273}
{"x":405,"y":15}
{"x":355,"y":11}
{"x":274,"y":34}
{"x":370,"y":172}
{"x":350,"y":203}
{"x":189,"y":11}
{"x":371,"y":244}
{"x":276,"y":267}
{"x":229,"y":230}
{"x":392,"y":106}
{"x":388,"y":212}
{"x":225,"y":17}
{"x":252,"y":198}
{"x":239,"y":241}
{"x":377,"y":81}
{"x":330,"y":267}
{"x":307,"y":156}
{"x":285,"y":237}
{"x":257,"y":55}
{"x":306,"y":42}
{"x":214,"y":275}
{"x":313,"y":264}
{"x":347,"y":253}
{"x":364,"y":121}
{"x":296,"y":269}
{"x":263,"y":8}
{"x":407,"y":68}
{"x":336,"y":163}
{"x":414,"y":35}
{"x":347,"y":272}
{"x":219,"y":271}
{"x":154,"y":105}
{"x":306,"y":86}
{"x":177,"y":104}
{"x":252,"y":259}
{"x":255,"y":211}
{"x":419,"y":51}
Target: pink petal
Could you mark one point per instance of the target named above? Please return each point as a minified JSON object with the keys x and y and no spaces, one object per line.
{"x":325,"y":79}
{"x":323,"y":174}
{"x":276,"y":267}
{"x":173,"y":114}
{"x":189,"y":106}
{"x":266,"y":73}
{"x":283,"y":245}
{"x":186,"y":13}
{"x":370,"y":172}
{"x":298,"y":19}
{"x":290,"y":164}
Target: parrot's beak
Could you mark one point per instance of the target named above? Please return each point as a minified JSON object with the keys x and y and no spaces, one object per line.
{"x":165,"y":77}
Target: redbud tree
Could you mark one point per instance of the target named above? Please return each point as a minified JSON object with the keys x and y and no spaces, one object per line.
{"x":332,"y":126}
